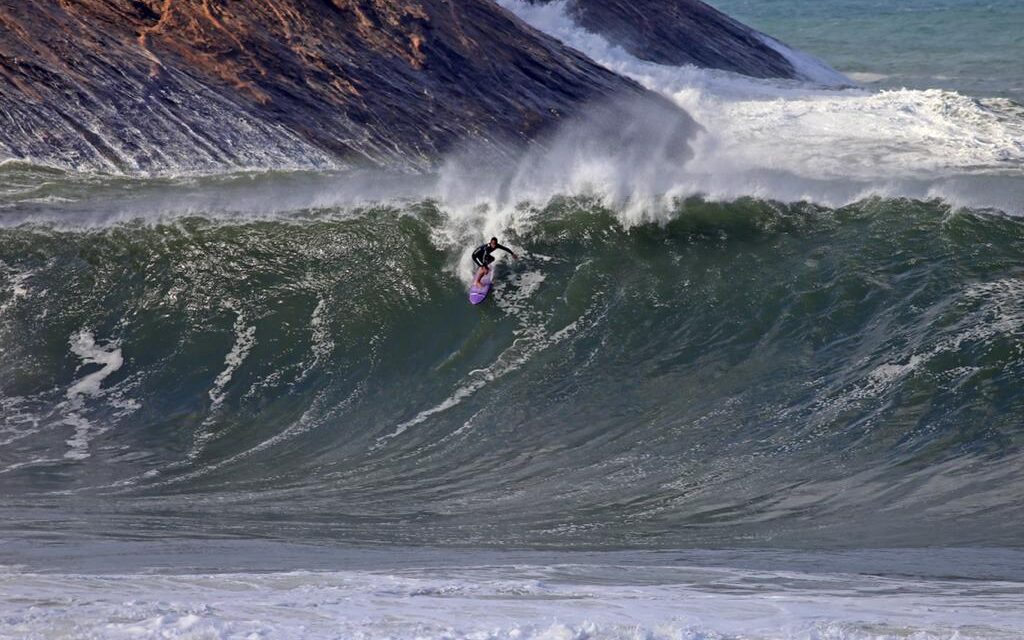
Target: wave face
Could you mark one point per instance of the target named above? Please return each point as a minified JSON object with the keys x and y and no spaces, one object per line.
{"x":679,"y":359}
{"x":742,"y":374}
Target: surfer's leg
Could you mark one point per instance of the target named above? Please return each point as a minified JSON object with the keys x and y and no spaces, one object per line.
{"x":480,"y":273}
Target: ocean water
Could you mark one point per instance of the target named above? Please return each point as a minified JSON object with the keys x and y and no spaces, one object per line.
{"x":769,"y":391}
{"x":969,"y":46}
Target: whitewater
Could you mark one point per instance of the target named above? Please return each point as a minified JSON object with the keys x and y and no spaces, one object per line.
{"x":761,"y":385}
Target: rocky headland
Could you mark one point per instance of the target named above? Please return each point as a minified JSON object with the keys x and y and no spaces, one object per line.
{"x":165,"y":86}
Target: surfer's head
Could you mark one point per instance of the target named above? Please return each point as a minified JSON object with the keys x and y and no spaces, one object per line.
{"x":494,"y":243}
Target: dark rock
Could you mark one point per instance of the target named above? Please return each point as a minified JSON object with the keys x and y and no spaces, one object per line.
{"x":680,"y":32}
{"x":199,"y":85}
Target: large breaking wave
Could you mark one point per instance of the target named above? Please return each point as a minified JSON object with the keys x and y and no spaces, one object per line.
{"x":744,"y":373}
{"x":680,"y":358}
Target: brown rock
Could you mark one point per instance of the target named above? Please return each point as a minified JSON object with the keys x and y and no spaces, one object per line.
{"x":199,"y":85}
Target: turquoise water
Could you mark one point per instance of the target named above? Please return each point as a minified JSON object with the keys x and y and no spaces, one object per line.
{"x":971,"y":46}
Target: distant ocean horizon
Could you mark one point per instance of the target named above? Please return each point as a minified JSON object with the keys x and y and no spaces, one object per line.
{"x":974,"y":47}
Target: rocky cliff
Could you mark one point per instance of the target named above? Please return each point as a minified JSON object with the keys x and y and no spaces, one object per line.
{"x":161,"y":86}
{"x":151,"y":85}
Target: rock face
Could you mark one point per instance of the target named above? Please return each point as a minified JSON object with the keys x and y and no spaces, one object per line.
{"x":680,"y":32}
{"x":168,"y":85}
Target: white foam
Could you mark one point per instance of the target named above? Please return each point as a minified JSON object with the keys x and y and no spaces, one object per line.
{"x":245,"y":339}
{"x":84,"y":345}
{"x":19,"y":291}
{"x":520,"y":602}
{"x":866,"y":77}
{"x":320,"y":337}
{"x":806,"y":65}
{"x":793,"y":141}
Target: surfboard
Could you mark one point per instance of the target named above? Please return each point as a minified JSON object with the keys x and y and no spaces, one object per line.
{"x":479,"y":294}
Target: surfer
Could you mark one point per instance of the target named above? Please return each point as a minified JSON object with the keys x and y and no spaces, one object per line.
{"x":482,"y":258}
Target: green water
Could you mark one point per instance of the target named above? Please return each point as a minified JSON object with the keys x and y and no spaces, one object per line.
{"x":724,"y":378}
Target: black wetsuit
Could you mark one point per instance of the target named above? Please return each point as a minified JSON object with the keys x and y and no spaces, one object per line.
{"x":482,"y":256}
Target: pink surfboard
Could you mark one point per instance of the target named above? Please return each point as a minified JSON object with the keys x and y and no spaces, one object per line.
{"x":479,"y":294}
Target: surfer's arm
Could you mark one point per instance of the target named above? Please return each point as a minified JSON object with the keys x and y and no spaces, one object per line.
{"x":507,"y":250}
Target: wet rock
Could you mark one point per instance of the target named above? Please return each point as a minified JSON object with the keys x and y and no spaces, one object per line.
{"x":681,"y":32}
{"x":157,"y":86}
